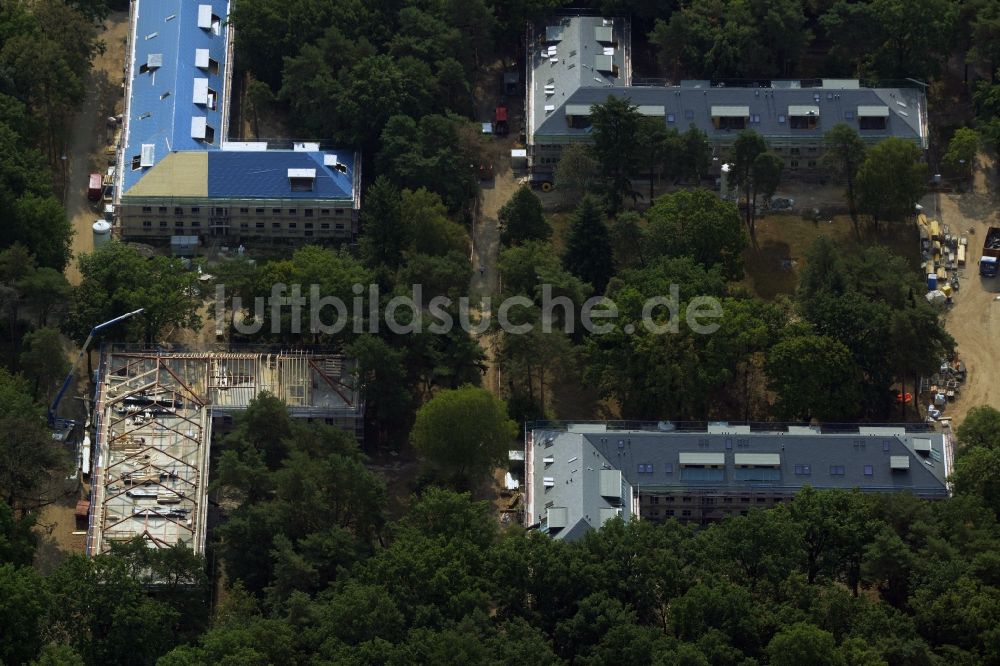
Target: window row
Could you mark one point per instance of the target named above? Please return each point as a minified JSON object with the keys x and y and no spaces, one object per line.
{"x":195,"y":224}
{"x":224,"y":212}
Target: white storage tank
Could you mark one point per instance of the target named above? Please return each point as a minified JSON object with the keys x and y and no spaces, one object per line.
{"x":102,"y":233}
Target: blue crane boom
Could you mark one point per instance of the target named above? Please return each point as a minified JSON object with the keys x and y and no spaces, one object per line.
{"x":83,"y":351}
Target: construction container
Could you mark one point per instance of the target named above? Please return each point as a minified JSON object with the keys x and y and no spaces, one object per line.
{"x":931,"y":281}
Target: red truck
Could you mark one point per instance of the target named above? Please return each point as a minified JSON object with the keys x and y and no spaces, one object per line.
{"x":500,"y":127}
{"x":95,"y":188}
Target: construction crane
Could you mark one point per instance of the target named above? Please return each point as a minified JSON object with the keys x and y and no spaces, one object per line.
{"x":86,"y":345}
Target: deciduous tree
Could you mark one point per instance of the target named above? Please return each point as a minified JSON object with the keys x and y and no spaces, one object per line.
{"x":463,"y":433}
{"x":845,"y":152}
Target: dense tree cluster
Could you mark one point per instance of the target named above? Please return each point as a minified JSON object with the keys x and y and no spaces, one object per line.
{"x":888,"y":39}
{"x":832,"y":577}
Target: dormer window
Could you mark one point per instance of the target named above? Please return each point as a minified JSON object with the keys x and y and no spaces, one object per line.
{"x":208,"y":20}
{"x":804,"y":117}
{"x":201,"y":130}
{"x":204,"y":95}
{"x":873,"y":117}
{"x":301,"y":180}
{"x":730,"y":117}
{"x":204,"y":61}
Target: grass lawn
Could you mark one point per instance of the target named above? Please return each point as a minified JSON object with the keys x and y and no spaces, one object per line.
{"x":772,"y":267}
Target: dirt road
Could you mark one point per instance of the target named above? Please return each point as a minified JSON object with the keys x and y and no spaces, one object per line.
{"x":974,"y":321}
{"x":485,"y":253}
{"x":86,"y":151}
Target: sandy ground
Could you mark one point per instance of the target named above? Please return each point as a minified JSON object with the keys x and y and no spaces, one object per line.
{"x":485,"y":252}
{"x":974,"y":321}
{"x":56,"y":523}
{"x":89,"y":136}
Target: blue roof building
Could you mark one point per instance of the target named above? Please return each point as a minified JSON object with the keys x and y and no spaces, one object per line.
{"x":177,"y":174}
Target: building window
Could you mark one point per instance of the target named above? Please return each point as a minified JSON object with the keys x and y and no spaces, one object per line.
{"x":195,"y":223}
{"x":655,"y":499}
{"x":794,"y":164}
{"x":645,"y":468}
{"x":293,"y":211}
{"x":147,"y":224}
{"x":324,"y":225}
{"x":761,"y":500}
{"x":244,"y":225}
{"x":163,"y":223}
{"x":179,"y":223}
{"x":795,"y":151}
{"x":885,"y":445}
{"x":727,"y":500}
{"x":669,"y":512}
{"x":163,"y":209}
{"x":802,"y":470}
{"x":685,"y":499}
{"x":671,"y":118}
{"x":804,"y":122}
{"x":308,"y":212}
{"x":872,"y":123}
{"x":686,"y":512}
{"x":338,"y":211}
{"x":259,"y":211}
{"x":324,"y":211}
{"x":781,"y":118}
{"x":220,"y":211}
{"x":276,"y":211}
{"x":869,"y":470}
{"x":668,"y":468}
{"x":755,"y":118}
{"x":276,"y":225}
{"x":260,"y":225}
{"x":292,"y":225}
{"x":178,"y":211}
{"x":689,"y":114}
{"x":244,"y":210}
{"x":811,"y":164}
{"x":837,"y":470}
{"x":309,"y":225}
{"x":339,"y":226}
{"x":147,"y":209}
{"x":195,"y":210}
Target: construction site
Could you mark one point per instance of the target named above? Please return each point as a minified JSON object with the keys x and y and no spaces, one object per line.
{"x":153,"y":422}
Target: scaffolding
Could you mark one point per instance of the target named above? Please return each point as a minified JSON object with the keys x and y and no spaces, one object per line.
{"x":154,"y":430}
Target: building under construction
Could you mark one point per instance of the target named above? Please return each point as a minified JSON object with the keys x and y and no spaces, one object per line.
{"x":154,"y":416}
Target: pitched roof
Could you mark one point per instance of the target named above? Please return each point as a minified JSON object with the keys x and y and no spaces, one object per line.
{"x":243,"y":174}
{"x":265,"y":174}
{"x":563,"y":81}
{"x":869,"y":459}
{"x":161,"y":103}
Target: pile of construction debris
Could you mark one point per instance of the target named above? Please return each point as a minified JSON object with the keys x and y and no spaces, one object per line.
{"x":943,"y":255}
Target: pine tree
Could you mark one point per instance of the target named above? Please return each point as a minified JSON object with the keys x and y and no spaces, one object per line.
{"x":588,"y":248}
{"x":522,"y":219}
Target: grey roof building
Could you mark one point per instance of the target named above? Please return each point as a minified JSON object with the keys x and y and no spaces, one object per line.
{"x":578,"y":477}
{"x":575,"y":62}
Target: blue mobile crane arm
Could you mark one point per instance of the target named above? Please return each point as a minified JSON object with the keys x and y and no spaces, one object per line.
{"x":83,"y":351}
